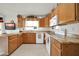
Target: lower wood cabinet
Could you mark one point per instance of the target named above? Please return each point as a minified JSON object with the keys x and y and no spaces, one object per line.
{"x":64,"y":49}
{"x":12,"y":43}
{"x":29,"y":38}
{"x":20,"y":40}
{"x":70,"y":49}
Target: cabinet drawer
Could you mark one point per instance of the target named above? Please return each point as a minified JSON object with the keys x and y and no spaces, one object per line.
{"x":56,"y":43}
{"x":12,"y":37}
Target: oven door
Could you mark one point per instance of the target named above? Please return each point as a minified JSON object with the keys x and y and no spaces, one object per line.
{"x":39,"y":37}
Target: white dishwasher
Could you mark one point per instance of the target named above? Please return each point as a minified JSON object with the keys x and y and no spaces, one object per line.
{"x":48,"y":43}
{"x":39,"y":37}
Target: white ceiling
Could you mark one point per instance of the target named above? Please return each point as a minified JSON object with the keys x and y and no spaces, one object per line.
{"x":27,"y":8}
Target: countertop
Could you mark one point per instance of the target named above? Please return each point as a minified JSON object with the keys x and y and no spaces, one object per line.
{"x":3,"y":35}
{"x":58,"y":37}
{"x":63,"y":39}
{"x":41,"y":30}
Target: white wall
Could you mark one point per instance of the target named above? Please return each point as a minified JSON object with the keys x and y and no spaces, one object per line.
{"x":71,"y":28}
{"x":10,"y":10}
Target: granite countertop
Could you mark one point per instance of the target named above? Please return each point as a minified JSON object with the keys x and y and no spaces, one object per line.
{"x":31,"y":31}
{"x":25,"y":31}
{"x":3,"y":35}
{"x":63,"y":39}
{"x":37,"y":30}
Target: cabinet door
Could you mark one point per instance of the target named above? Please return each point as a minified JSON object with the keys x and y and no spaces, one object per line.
{"x":25,"y":37}
{"x":20,"y":41}
{"x":12,"y":45}
{"x":47,"y":20}
{"x":56,"y":11}
{"x":77,"y":11}
{"x":56,"y":48}
{"x":29,"y":38}
{"x":56,"y":51}
{"x":66,"y":12}
{"x":70,"y":49}
{"x":42,"y":22}
{"x":33,"y":37}
{"x":21,"y":22}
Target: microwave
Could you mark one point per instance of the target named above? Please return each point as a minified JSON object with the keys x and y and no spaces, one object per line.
{"x":10,"y":26}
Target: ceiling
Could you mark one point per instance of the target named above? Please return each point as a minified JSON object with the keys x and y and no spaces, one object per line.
{"x":27,"y":8}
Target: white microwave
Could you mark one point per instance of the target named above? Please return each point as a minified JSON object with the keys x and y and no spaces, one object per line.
{"x":54,"y":21}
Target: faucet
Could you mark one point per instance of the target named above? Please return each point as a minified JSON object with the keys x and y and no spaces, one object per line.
{"x":65,"y":30}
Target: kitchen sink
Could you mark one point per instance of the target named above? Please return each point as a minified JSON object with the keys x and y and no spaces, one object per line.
{"x":73,"y":36}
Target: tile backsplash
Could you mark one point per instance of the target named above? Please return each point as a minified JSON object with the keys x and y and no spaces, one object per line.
{"x":71,"y":28}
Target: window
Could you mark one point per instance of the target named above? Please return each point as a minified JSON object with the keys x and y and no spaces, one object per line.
{"x":30,"y":25}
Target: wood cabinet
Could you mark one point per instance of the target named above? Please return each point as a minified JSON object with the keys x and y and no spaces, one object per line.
{"x":54,"y":12}
{"x":42,"y":22}
{"x":77,"y":11}
{"x":21,"y":21}
{"x":47,"y":20}
{"x":12,"y":43}
{"x":64,"y":49}
{"x":29,"y":38}
{"x":56,"y":48}
{"x":66,"y":12}
{"x":20,"y":40}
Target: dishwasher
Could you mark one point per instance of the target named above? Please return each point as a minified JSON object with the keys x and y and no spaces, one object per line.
{"x":39,"y":37}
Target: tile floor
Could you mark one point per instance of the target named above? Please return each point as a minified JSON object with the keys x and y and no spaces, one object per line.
{"x":31,"y":50}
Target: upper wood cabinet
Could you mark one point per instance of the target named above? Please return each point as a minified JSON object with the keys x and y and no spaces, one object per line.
{"x":47,"y":20}
{"x":20,"y":21}
{"x":54,"y":12}
{"x":77,"y":11}
{"x":42,"y":22}
{"x":66,"y":12}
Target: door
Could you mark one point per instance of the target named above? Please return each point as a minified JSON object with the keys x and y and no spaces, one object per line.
{"x":39,"y":37}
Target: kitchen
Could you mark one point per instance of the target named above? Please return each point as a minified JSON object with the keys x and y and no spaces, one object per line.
{"x":39,"y":29}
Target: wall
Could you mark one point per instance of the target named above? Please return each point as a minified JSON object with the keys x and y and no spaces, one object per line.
{"x":71,"y":28}
{"x":10,"y":10}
